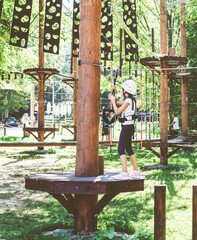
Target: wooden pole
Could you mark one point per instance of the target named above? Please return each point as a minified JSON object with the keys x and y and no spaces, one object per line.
{"x":121,"y":59}
{"x":89,"y":89}
{"x":153,"y":39}
{"x":101,"y":164}
{"x":163,"y":29}
{"x":32,"y":104}
{"x":75,"y":89}
{"x":164,"y":112}
{"x":41,"y":75}
{"x":160,"y":213}
{"x":163,"y":85}
{"x":88,"y":110}
{"x":194,"y":213}
{"x":184,"y":80}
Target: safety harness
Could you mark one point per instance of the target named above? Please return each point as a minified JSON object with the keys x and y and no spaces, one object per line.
{"x":130,"y":116}
{"x":108,"y":120}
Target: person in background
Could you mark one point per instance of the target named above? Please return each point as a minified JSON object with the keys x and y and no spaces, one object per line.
{"x":127,"y":111}
{"x":25,"y":119}
{"x":174,"y":125}
{"x":36,"y":113}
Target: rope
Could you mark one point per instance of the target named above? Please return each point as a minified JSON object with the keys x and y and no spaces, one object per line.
{"x":132,"y":36}
{"x":150,"y":106}
{"x":111,"y":91}
{"x":141,"y":104}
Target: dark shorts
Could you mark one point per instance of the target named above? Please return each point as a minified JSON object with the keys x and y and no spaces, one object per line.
{"x":36,"y":116}
{"x":125,"y":141}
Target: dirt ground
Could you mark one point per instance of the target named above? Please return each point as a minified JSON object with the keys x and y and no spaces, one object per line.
{"x":15,"y":164}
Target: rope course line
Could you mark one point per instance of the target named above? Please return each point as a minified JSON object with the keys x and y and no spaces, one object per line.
{"x":133,"y":37}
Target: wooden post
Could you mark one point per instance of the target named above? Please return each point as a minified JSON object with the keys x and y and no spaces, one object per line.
{"x":163,"y":84}
{"x":88,"y":110}
{"x":101,"y":164}
{"x":32,"y":104}
{"x":75,"y":89}
{"x":183,"y":79}
{"x":41,"y":75}
{"x":153,"y":40}
{"x":163,"y":29}
{"x":4,"y":130}
{"x":194,"y":213}
{"x":121,"y":59}
{"x":160,"y":213}
{"x":172,"y":52}
{"x":164,"y":112}
{"x":85,"y":219}
{"x":89,"y":89}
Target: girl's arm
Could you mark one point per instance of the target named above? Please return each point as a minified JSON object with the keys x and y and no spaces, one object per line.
{"x":119,"y":102}
{"x":116,"y":109}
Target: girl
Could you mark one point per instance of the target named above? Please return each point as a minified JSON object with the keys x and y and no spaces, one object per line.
{"x":127,"y":110}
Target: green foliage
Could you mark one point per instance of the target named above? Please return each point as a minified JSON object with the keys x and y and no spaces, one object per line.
{"x":12,"y":101}
{"x":131,"y":215}
{"x":104,"y":234}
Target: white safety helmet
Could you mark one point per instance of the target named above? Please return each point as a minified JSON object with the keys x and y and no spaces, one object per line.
{"x":130,"y":86}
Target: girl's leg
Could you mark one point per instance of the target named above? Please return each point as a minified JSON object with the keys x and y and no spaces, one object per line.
{"x":134,"y":162}
{"x":123,"y":159}
{"x":121,"y":149}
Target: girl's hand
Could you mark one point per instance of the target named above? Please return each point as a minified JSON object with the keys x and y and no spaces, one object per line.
{"x":111,"y":97}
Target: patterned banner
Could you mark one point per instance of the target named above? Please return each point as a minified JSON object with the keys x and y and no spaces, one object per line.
{"x":52,"y":26}
{"x":20,"y":23}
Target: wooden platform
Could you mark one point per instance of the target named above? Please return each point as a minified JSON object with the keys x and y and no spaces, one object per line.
{"x":177,"y":142}
{"x":44,"y":129}
{"x":172,"y":62}
{"x":67,"y":183}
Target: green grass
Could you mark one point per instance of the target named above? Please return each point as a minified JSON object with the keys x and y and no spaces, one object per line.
{"x":130,"y":213}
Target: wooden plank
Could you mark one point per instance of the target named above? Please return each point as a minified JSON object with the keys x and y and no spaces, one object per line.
{"x":37,"y":144}
{"x":63,"y":143}
{"x":39,"y":129}
{"x":68,"y":183}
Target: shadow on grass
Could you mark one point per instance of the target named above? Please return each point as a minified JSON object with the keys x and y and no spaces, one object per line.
{"x":37,"y":217}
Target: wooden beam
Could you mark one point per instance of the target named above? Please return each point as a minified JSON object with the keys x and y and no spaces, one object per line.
{"x":173,"y":152}
{"x":66,"y":203}
{"x":103,"y":202}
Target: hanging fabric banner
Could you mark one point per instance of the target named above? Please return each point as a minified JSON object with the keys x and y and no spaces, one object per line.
{"x":129,"y":16}
{"x":52,"y":26}
{"x":131,"y":35}
{"x":20,"y":23}
{"x":106,"y":31}
{"x":75,"y":30}
{"x":1,"y":6}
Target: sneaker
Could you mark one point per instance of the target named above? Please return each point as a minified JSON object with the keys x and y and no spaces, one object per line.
{"x":122,"y":176}
{"x":135,"y":175}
